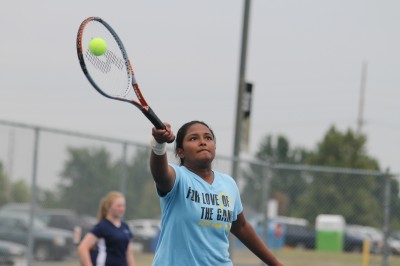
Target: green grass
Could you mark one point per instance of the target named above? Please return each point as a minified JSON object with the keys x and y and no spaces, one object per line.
{"x":289,"y":257}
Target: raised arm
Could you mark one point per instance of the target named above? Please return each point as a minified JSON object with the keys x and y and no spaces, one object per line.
{"x":163,"y":174}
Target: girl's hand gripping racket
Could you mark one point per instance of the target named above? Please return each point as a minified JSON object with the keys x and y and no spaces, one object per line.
{"x":105,"y":63}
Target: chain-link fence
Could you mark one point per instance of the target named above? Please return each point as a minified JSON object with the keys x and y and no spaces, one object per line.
{"x":308,"y":215}
{"x":318,"y":210}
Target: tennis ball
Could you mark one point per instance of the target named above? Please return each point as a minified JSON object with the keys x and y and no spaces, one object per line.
{"x":98,"y":46}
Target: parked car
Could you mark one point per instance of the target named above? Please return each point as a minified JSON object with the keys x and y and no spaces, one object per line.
{"x":144,"y":229}
{"x":298,"y":233}
{"x":395,"y":235}
{"x":49,"y":243}
{"x":300,"y":236}
{"x":12,"y":254}
{"x":394,"y":241}
{"x":68,"y":220}
{"x":60,"y":218}
{"x":87,"y":222}
{"x":354,"y":241}
{"x":144,"y":232}
{"x":56,"y":218}
{"x":394,"y":245}
{"x":366,"y":232}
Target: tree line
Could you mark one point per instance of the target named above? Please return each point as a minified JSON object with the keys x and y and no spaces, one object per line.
{"x":306,"y":194}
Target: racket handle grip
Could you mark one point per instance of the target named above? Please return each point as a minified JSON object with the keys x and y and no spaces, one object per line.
{"x":149,"y":113}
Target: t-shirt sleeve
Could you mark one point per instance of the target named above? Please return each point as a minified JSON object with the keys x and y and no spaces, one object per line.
{"x":168,"y":199}
{"x":177,"y":180}
{"x":98,"y":230}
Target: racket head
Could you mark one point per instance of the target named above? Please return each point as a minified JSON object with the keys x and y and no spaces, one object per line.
{"x":111,"y":74}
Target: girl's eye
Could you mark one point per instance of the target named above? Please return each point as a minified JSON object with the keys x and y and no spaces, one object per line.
{"x":192,"y":138}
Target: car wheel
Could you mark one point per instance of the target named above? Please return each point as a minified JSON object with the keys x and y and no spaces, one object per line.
{"x":356,"y":249}
{"x":42,"y":252}
{"x":300,"y":246}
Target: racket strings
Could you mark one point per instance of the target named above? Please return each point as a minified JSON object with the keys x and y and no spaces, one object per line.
{"x":105,"y":66}
{"x":110,"y":71}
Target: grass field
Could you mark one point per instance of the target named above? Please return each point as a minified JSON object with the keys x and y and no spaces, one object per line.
{"x":313,"y":258}
{"x":243,"y":257}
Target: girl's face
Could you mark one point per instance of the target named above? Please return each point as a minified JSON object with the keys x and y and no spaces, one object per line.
{"x":117,"y":208}
{"x":198,"y":146}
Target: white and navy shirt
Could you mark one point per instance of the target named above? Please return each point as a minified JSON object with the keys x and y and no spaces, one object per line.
{"x":112,"y":245}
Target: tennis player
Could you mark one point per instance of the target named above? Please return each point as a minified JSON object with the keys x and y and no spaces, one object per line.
{"x":199,"y":206}
{"x":108,"y":243}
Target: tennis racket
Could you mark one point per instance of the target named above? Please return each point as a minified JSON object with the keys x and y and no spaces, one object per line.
{"x":111,"y":73}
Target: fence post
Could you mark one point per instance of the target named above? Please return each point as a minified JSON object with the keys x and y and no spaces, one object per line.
{"x":33,"y":197}
{"x":386,"y":217}
{"x":266,"y":173}
{"x":123,"y":177}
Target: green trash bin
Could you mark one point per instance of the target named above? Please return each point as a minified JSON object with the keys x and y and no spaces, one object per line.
{"x":330,"y":232}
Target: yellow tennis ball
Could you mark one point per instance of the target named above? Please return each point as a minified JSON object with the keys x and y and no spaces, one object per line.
{"x":98,"y":46}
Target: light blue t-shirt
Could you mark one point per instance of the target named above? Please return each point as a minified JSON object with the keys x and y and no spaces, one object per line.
{"x":196,"y":220}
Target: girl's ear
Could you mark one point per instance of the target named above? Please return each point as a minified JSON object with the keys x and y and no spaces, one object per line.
{"x":180,"y":153}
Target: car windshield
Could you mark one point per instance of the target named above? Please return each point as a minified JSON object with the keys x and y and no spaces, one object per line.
{"x":37,"y":223}
{"x":365,"y":232}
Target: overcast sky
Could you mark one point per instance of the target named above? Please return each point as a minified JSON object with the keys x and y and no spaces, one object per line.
{"x":304,"y":59}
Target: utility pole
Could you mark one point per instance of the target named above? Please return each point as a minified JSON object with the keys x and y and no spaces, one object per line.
{"x":241,"y":88}
{"x":239,"y":112}
{"x":363,"y":83}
